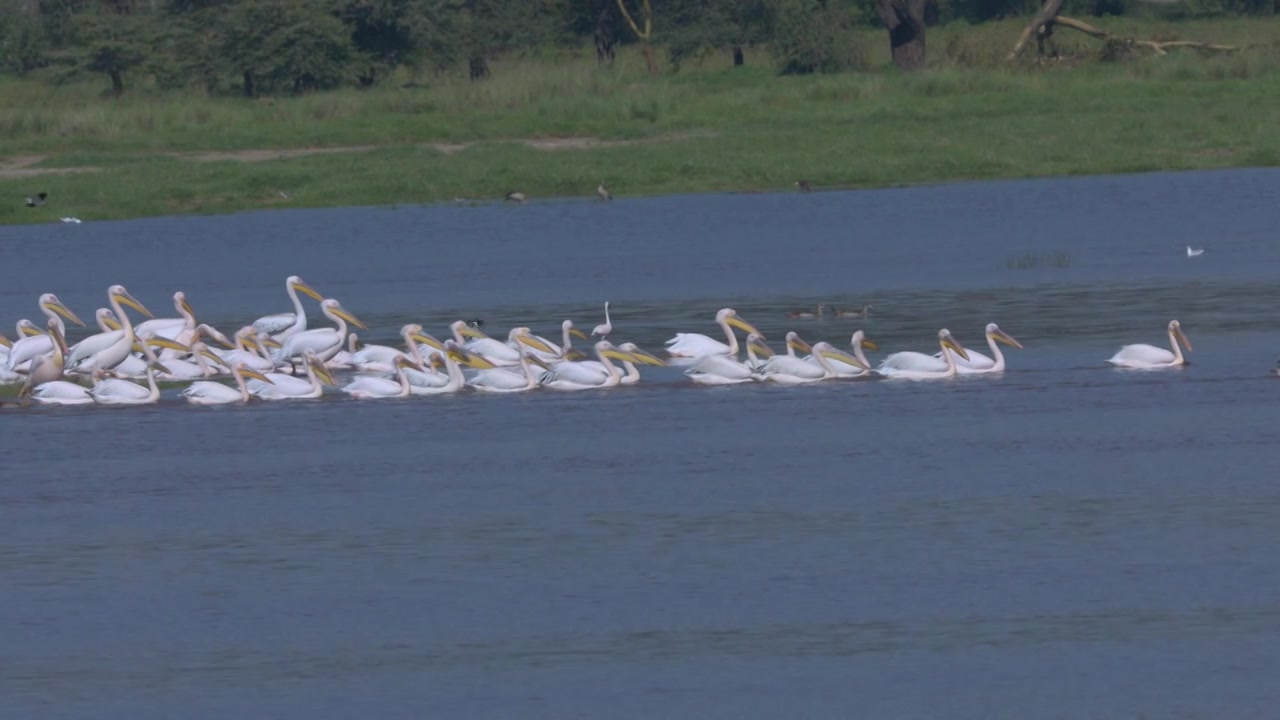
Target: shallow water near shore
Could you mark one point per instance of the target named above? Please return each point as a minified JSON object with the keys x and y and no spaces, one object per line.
{"x":1064,"y":540}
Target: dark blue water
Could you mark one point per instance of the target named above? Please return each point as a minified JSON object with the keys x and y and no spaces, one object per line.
{"x":1067,"y":540}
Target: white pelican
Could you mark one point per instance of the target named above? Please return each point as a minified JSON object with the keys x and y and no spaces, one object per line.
{"x":62,"y":392}
{"x":1149,"y":357}
{"x":494,"y":351}
{"x":208,"y":392}
{"x":325,"y":341}
{"x":563,"y":351}
{"x":47,"y":368}
{"x":506,"y":380}
{"x":433,"y":382}
{"x":342,"y":360}
{"x":282,"y":325}
{"x":632,"y":375}
{"x":792,"y":370}
{"x":578,"y":376}
{"x":287,"y":387}
{"x":106,"y":350}
{"x":695,"y":345}
{"x":727,"y":369}
{"x":382,"y":358}
{"x":172,"y":328}
{"x":979,"y":364}
{"x":919,"y":366}
{"x":178,"y":369}
{"x":376,"y":388}
{"x":603,"y":329}
{"x":135,"y":366}
{"x":114,"y":391}
{"x":258,"y":358}
{"x":38,"y":344}
{"x":858,"y":341}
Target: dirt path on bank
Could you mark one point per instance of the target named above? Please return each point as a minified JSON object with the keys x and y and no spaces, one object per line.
{"x":23,"y":166}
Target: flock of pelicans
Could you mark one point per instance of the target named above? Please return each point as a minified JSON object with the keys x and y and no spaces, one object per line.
{"x":278,"y":357}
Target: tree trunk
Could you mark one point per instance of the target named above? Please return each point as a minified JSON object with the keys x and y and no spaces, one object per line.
{"x":649,"y":60}
{"x":248,"y":83}
{"x":479,"y":68}
{"x":905,"y":21}
{"x":117,"y":83}
{"x":737,"y":56}
{"x":605,"y":40}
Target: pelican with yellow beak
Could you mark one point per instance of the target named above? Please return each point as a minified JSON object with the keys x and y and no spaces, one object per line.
{"x":282,"y":325}
{"x":506,"y":379}
{"x":287,"y":387}
{"x":843,"y":369}
{"x":727,"y":369}
{"x":696,"y":345}
{"x":919,"y":366}
{"x":114,"y":391}
{"x":382,"y":358}
{"x":377,"y":388}
{"x":106,"y":350}
{"x":1150,"y":357}
{"x":172,"y":328}
{"x":37,"y":344}
{"x":794,"y":370}
{"x":496,"y":352}
{"x":326,"y":342}
{"x":979,"y":364}
{"x":580,"y":376}
{"x":208,"y":392}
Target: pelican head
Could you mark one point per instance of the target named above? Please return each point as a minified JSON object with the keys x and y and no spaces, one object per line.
{"x":296,"y":284}
{"x":641,"y":355}
{"x":199,"y":348}
{"x":465,"y":329}
{"x":183,"y":307}
{"x":333,"y":308}
{"x":122,"y":296}
{"x":418,"y":336}
{"x":568,"y":327}
{"x":795,"y":343}
{"x":460,"y":354}
{"x":948,"y":342}
{"x":405,"y":362}
{"x":317,"y":366}
{"x":6,"y":342}
{"x":729,"y":316}
{"x":524,"y":336}
{"x":827,"y":350}
{"x":860,"y":338}
{"x":755,"y":343}
{"x":995,"y":333}
{"x":28,"y":328}
{"x":1175,"y":330}
{"x":245,"y":371}
{"x":604,"y":348}
{"x":107,"y":319}
{"x":50,"y":302}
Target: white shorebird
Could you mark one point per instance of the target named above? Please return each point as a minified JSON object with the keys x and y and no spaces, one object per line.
{"x":1194,"y":253}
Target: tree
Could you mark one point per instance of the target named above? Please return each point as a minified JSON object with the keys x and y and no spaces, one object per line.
{"x":285,"y":45}
{"x":904,"y":19}
{"x":23,"y":44}
{"x":700,"y":26}
{"x":110,"y":39}
{"x":643,"y":31}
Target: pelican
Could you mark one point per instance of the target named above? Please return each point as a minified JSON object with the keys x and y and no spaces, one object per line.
{"x":563,"y":351}
{"x":106,"y":350}
{"x":979,"y":364}
{"x":259,"y":360}
{"x":62,"y":392}
{"x":437,"y":383}
{"x":188,"y":370}
{"x":325,"y":341}
{"x":172,"y":328}
{"x":35,"y":345}
{"x":573,"y":376}
{"x":135,"y":366}
{"x":287,"y":387}
{"x":496,"y":352}
{"x":919,"y":366}
{"x":632,"y":375}
{"x":1149,"y":357}
{"x":343,"y":359}
{"x":47,"y":368}
{"x":382,"y":358}
{"x":114,"y":391}
{"x":727,"y":369}
{"x":282,"y":325}
{"x":374,"y":388}
{"x":603,"y":329}
{"x":858,"y":341}
{"x":505,"y":380}
{"x":208,"y":392}
{"x":792,"y":370}
{"x":695,"y":345}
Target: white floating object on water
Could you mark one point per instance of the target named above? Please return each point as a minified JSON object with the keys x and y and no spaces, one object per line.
{"x":1193,"y":253}
{"x":72,"y":220}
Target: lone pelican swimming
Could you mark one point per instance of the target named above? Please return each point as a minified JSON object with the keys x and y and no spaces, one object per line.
{"x":1150,"y":357}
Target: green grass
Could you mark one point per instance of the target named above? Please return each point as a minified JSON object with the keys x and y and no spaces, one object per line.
{"x":707,"y":128}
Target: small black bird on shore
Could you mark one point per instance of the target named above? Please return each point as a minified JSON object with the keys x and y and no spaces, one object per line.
{"x":804,"y":185}
{"x":37,"y":199}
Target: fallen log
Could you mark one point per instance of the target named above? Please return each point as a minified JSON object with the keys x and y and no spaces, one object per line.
{"x":1043,"y":24}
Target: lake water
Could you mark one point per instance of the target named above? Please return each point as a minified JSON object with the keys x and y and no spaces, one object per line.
{"x":1065,"y":541}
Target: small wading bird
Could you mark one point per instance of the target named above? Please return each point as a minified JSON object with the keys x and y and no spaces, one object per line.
{"x":37,"y":199}
{"x":817,"y":312}
{"x":603,"y":191}
{"x":606,"y":327}
{"x":804,"y":185}
{"x":517,"y":197}
{"x":1194,"y":253}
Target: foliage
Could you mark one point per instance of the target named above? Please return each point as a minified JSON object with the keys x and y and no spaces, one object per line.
{"x":809,"y":37}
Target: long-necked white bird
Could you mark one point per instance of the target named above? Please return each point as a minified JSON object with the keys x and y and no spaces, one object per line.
{"x":496,"y":352}
{"x":61,"y":392}
{"x":282,"y":325}
{"x":47,"y":368}
{"x":376,"y":388}
{"x":208,"y":392}
{"x":717,"y":369}
{"x":326,"y":342}
{"x":506,"y":379}
{"x":382,"y":358}
{"x":172,"y":328}
{"x":434,"y":382}
{"x":288,"y":387}
{"x":603,"y":329}
{"x":857,"y":341}
{"x":631,"y":374}
{"x":563,"y":351}
{"x":919,"y":366}
{"x":106,"y":350}
{"x":204,"y":364}
{"x":793,"y":370}
{"x":979,"y":364}
{"x":579,"y":376}
{"x":1150,"y":357}
{"x":696,"y":345}
{"x":116,"y":391}
{"x":33,"y":345}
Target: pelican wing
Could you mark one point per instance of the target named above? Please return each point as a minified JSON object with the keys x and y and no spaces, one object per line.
{"x":28,"y":348}
{"x":913,"y":362}
{"x":113,"y":391}
{"x":695,"y":345}
{"x":206,"y":392}
{"x":61,"y":392}
{"x":277,"y":323}
{"x":1142,"y":355}
{"x":786,"y":365}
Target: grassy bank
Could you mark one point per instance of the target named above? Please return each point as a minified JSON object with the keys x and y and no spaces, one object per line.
{"x":707,"y":128}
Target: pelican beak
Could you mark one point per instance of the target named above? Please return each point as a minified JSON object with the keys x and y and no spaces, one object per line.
{"x":112,"y":323}
{"x":844,"y":357}
{"x":618,"y":355}
{"x":6,"y":341}
{"x":743,"y":325}
{"x":1182,"y":338}
{"x":307,"y":289}
{"x":208,"y":354}
{"x":538,"y":362}
{"x":222,"y":339}
{"x":575,"y":355}
{"x":266,"y":340}
{"x":323,"y":373}
{"x":646,"y":358}
{"x":950,"y":342}
{"x":127,"y":299}
{"x":427,"y":340}
{"x":186,"y":306}
{"x":437,"y":363}
{"x":468,"y":331}
{"x":1002,"y":336}
{"x":535,"y":343}
{"x":799,"y":345}
{"x":578,"y":333}
{"x":251,"y":373}
{"x":340,"y":312}
{"x":404,"y":362}
{"x":64,"y":311}
{"x":167,"y":343}
{"x":869,"y":345}
{"x":31,"y":331}
{"x":160,"y":368}
{"x":760,"y":348}
{"x":458,"y":355}
{"x":475,"y":361}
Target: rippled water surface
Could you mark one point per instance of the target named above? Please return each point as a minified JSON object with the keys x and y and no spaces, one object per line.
{"x":1067,"y":540}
